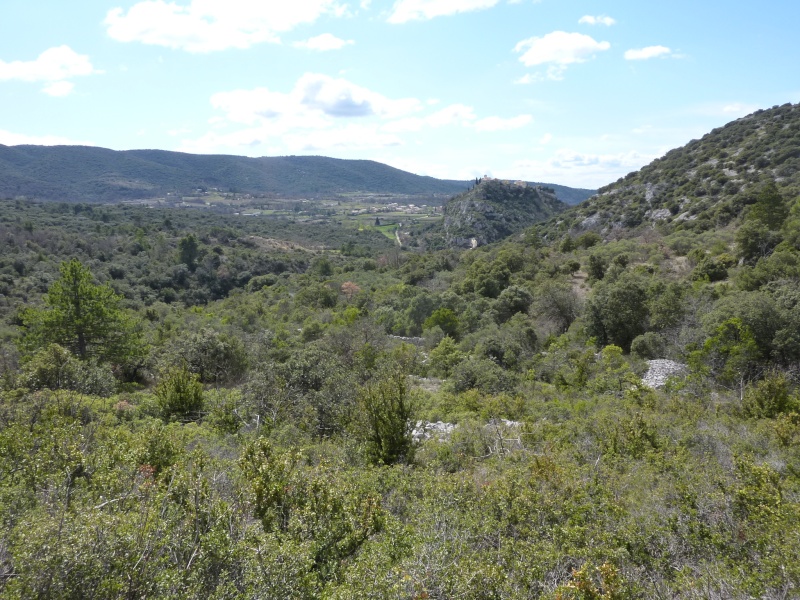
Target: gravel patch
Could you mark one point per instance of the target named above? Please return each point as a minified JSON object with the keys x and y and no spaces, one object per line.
{"x":661,"y":369}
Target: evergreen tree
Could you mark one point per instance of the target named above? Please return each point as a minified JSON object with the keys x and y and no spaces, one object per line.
{"x":189,"y":250}
{"x":770,"y":208}
{"x":83,"y":317}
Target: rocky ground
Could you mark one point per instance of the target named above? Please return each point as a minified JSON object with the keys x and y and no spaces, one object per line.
{"x":660,"y":370}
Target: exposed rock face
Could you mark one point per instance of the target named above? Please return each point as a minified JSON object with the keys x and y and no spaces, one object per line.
{"x":425,"y":430}
{"x":660,"y":370}
{"x":494,"y":210}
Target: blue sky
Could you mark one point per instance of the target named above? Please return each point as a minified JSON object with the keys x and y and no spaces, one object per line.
{"x":565,"y":91}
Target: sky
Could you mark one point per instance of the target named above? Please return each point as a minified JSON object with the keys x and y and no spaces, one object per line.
{"x":571,"y":92}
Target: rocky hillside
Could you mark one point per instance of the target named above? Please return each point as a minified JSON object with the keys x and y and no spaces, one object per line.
{"x":495,"y":209}
{"x":706,"y":183}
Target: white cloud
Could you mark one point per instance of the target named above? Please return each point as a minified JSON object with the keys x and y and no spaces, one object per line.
{"x":420,"y":10}
{"x":54,"y":67}
{"x":647,"y":53}
{"x":211,"y":25}
{"x":7,"y":138}
{"x":598,"y":20}
{"x":314,"y":96}
{"x":341,"y":98}
{"x":559,"y":48}
{"x":317,"y":114}
{"x":324,"y":42}
{"x":500,"y":124}
{"x":546,"y":138}
{"x":325,"y":113}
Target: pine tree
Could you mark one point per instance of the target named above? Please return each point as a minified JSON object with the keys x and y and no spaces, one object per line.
{"x":82,"y":316}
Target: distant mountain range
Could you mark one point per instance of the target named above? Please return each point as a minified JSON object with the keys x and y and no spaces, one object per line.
{"x":90,"y":174}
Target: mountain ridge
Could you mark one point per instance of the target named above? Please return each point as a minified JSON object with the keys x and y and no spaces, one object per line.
{"x":92,"y":174}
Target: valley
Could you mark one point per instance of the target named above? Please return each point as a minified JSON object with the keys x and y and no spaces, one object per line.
{"x":373,"y":385}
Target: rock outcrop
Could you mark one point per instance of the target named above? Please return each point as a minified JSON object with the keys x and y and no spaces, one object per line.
{"x":495,"y":209}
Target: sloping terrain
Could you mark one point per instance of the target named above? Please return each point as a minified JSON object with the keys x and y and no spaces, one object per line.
{"x":706,"y":183}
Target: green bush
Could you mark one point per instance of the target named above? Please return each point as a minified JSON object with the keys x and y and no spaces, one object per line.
{"x":769,"y":397}
{"x":55,"y":368}
{"x":180,"y":394}
{"x":387,"y":409}
{"x":649,"y":345}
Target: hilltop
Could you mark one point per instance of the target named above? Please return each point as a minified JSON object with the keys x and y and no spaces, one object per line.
{"x":494,"y":209}
{"x":89,"y":174}
{"x":708,"y":182}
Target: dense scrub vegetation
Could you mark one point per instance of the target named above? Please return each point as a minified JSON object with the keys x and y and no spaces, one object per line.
{"x":254,"y":439}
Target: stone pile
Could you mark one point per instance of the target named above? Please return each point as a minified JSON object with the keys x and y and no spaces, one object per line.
{"x":424,"y":430}
{"x":660,"y":370}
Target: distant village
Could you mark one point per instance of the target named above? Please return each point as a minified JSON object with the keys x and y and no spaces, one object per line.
{"x":409,"y":209}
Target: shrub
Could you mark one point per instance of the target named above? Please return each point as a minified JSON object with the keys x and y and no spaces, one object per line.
{"x":649,"y":345}
{"x":55,"y":368}
{"x":180,"y":394}
{"x":769,"y":397}
{"x":481,"y":374}
{"x":387,"y":408}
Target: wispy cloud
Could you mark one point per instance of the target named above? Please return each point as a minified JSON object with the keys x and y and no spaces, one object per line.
{"x":422,"y":10}
{"x":598,"y":20}
{"x":212,"y":25}
{"x":647,"y":53}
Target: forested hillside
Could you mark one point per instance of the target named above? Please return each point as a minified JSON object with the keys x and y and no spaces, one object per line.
{"x":204,"y":406}
{"x":88,"y":174}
